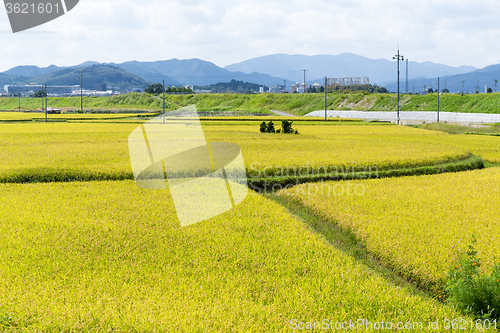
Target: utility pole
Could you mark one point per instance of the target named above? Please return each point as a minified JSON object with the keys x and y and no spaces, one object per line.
{"x":406,"y":75}
{"x":326,"y":82}
{"x":19,"y":94}
{"x":81,"y":91}
{"x":163,"y":101}
{"x":438,"y":100}
{"x":45,"y":93}
{"x":398,"y":58}
{"x":304,"y":70}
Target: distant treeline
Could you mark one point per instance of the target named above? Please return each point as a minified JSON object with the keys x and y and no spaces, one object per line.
{"x":234,"y":86}
{"x":157,"y":88}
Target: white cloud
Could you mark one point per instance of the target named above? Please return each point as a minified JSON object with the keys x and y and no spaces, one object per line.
{"x":453,"y":32}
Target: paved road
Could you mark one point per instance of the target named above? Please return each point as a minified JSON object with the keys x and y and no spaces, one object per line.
{"x":413,"y":117}
{"x":284,"y":114}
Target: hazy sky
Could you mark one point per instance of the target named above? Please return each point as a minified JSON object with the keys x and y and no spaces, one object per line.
{"x":454,"y":32}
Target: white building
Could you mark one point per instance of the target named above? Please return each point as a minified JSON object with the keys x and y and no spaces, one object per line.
{"x":298,"y":87}
{"x":30,"y":89}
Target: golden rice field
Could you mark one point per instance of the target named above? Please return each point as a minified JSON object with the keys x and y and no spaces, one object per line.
{"x":415,"y":224}
{"x":100,"y":151}
{"x":487,"y":147}
{"x":385,"y":147}
{"x":109,"y":256}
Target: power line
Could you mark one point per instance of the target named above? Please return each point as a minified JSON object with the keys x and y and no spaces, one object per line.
{"x":81,"y":90}
{"x":398,"y":58}
{"x":304,"y":70}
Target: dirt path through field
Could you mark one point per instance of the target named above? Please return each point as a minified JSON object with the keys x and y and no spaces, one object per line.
{"x":281,"y":113}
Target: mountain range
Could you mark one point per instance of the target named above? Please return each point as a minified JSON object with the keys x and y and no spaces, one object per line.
{"x":268,"y":70}
{"x":476,"y":80}
{"x":380,"y":71}
{"x":133,"y":74}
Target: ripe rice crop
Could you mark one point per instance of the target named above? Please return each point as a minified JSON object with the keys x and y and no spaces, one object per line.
{"x":31,"y":152}
{"x":60,"y":151}
{"x":109,"y":256}
{"x":317,"y":146}
{"x":415,"y":224}
{"x":488,"y":147}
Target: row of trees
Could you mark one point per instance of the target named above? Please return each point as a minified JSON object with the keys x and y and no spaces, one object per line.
{"x":365,"y":87}
{"x":157,"y":88}
{"x":234,"y":86}
{"x":478,"y":87}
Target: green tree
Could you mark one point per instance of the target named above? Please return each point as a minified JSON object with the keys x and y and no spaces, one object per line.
{"x":154,"y":89}
{"x":270,"y":127}
{"x":40,"y":93}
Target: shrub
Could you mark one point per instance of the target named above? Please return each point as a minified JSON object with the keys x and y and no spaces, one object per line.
{"x":270,"y":127}
{"x":471,"y":292}
{"x":285,"y":124}
{"x":263,"y":127}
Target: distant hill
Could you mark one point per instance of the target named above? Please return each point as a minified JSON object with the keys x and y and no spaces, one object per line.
{"x":380,"y":71}
{"x":94,"y":76}
{"x":146,"y":71}
{"x":269,"y":71}
{"x":11,"y":79}
{"x":31,"y":71}
{"x":193,"y":71}
{"x":87,"y":64}
{"x":174,"y":72}
{"x":453,"y":83}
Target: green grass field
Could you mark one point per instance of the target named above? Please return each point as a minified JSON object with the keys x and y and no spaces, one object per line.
{"x":262,"y":103}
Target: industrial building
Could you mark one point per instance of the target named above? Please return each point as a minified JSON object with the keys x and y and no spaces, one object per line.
{"x":30,"y":89}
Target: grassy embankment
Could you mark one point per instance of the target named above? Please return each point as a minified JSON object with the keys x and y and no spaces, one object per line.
{"x":262,"y":103}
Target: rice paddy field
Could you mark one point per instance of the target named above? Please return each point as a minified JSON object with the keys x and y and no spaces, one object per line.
{"x":416,"y":224}
{"x":84,"y":249}
{"x":105,"y":256}
{"x":99,"y":151}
